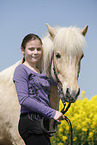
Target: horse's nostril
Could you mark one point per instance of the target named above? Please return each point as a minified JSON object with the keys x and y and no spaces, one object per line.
{"x":67,"y":91}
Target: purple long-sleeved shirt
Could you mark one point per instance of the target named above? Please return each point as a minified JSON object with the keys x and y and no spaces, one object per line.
{"x":33,"y":92}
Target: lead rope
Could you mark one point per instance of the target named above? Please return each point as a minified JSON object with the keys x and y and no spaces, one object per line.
{"x":61,"y":95}
{"x":60,"y":92}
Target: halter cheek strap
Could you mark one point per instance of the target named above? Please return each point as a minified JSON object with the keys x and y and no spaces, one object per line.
{"x":60,"y":90}
{"x":56,"y":76}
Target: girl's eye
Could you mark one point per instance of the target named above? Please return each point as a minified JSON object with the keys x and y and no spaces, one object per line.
{"x":38,"y":49}
{"x":31,"y":49}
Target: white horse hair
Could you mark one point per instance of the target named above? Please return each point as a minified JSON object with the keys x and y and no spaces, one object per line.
{"x":69,"y":43}
{"x":74,"y":43}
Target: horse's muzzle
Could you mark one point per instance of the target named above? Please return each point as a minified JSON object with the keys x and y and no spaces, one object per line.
{"x":71,"y":97}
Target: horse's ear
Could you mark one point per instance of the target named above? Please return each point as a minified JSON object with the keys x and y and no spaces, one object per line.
{"x":84,"y":30}
{"x":51,"y":30}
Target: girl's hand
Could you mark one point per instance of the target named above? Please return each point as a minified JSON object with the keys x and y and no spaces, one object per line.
{"x":59,"y":116}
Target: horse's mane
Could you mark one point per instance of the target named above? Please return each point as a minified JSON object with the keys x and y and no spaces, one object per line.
{"x":68,"y":39}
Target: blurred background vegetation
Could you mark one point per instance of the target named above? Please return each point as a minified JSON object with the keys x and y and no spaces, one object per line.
{"x":83,"y":116}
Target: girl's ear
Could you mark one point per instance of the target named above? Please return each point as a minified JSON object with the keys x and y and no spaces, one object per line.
{"x":22,"y":50}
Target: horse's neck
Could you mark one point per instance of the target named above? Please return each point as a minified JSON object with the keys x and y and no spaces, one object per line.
{"x":54,"y":98}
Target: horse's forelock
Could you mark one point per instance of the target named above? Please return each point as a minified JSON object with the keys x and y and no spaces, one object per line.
{"x":69,"y":40}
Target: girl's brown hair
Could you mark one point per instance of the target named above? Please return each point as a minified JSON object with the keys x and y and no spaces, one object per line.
{"x":29,"y":37}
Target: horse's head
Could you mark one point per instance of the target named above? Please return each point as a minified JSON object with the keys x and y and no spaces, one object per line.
{"x":67,"y":47}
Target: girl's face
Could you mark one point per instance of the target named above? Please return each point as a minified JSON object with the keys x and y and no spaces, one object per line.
{"x":32,"y":51}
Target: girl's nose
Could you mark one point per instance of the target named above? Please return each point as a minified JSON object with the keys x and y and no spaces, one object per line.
{"x":35,"y":51}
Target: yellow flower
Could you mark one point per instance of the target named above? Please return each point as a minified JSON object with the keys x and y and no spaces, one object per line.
{"x":78,"y":127}
{"x":67,"y":127}
{"x":83,"y":94}
{"x":84,"y":129}
{"x":53,"y":142}
{"x":60,"y":105}
{"x":64,"y":138}
{"x":75,"y":138}
{"x":60,"y":143}
{"x":60,"y":129}
{"x":90,"y":135}
{"x":84,"y":124}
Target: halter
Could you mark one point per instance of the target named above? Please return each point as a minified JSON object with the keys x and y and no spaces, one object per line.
{"x":60,"y":90}
{"x":61,"y":95}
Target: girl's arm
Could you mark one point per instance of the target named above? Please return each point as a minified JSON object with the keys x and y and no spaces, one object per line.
{"x":21,"y":83}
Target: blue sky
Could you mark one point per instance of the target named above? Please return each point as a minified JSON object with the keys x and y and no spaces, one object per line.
{"x":20,"y":17}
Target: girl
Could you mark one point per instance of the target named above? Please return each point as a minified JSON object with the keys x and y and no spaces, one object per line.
{"x":33,"y":90}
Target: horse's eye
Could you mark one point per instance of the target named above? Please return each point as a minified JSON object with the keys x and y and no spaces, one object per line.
{"x":58,"y":55}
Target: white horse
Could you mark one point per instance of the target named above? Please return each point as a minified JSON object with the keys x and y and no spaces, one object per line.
{"x":62,"y":49}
